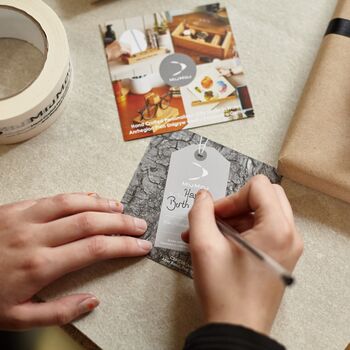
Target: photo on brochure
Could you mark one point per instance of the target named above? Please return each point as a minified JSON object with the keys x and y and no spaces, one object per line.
{"x":175,"y":70}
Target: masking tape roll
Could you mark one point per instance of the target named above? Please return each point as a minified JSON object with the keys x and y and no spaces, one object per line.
{"x":35,"y":108}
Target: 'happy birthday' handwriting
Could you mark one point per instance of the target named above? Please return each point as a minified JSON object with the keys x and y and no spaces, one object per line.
{"x":175,"y":203}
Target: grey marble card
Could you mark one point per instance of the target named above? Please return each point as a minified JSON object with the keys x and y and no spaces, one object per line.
{"x":144,"y":195}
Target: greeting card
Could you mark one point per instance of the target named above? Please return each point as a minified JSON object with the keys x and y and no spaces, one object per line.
{"x":174,"y":167}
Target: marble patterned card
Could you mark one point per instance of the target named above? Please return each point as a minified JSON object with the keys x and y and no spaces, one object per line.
{"x":144,"y":195}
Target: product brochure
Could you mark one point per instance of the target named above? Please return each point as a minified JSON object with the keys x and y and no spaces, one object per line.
{"x":175,"y":70}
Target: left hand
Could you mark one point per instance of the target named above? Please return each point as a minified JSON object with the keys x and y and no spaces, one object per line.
{"x":42,"y":240}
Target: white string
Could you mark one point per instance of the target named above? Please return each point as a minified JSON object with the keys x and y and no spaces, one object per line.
{"x":201,"y":147}
{"x":200,"y":144}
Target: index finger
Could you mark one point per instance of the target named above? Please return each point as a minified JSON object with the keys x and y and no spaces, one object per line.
{"x":202,"y":224}
{"x":66,"y":204}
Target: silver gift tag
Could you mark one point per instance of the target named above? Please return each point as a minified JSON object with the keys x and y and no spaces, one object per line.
{"x":189,"y":171}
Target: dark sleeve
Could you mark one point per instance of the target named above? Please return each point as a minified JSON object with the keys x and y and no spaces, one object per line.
{"x":220,"y":336}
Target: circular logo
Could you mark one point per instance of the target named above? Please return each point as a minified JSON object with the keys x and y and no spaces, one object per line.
{"x":177,"y":69}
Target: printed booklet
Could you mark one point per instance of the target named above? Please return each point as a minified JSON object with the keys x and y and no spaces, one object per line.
{"x":175,"y":70}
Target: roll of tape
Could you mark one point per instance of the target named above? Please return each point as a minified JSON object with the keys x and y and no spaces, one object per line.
{"x":35,"y":108}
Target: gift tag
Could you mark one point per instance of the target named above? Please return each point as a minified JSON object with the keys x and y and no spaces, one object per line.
{"x":191,"y":168}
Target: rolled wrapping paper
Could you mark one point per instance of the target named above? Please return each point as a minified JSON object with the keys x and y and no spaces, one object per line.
{"x":316,"y":150}
{"x":35,"y":108}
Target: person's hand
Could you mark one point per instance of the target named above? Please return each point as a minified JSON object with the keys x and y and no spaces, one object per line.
{"x":115,"y":50}
{"x":234,"y":287}
{"x":41,"y":240}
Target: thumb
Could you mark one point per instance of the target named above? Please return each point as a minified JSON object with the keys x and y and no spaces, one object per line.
{"x":202,"y":219}
{"x":56,"y":312}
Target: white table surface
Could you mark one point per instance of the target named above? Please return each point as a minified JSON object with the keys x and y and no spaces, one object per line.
{"x":145,"y":305}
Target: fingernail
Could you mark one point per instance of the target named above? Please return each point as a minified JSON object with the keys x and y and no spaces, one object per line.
{"x":88,"y":304}
{"x":140,"y":224}
{"x":92,"y":194}
{"x":201,"y":194}
{"x":185,"y":236}
{"x":145,"y":245}
{"x":116,"y":206}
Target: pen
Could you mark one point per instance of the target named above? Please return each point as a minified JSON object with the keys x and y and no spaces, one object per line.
{"x":231,"y":233}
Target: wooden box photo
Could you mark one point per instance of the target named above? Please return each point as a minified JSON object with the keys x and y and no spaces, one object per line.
{"x":217,"y":46}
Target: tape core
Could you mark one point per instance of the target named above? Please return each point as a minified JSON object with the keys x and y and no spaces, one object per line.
{"x":17,"y":24}
{"x":39,"y":105}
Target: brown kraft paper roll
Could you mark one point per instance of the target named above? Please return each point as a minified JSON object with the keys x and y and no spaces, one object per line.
{"x":316,"y":150}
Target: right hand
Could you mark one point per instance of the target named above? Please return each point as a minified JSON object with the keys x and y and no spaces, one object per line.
{"x":42,"y":240}
{"x":232,"y":286}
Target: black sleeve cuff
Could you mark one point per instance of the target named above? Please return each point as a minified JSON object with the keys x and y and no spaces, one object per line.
{"x":220,"y":336}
